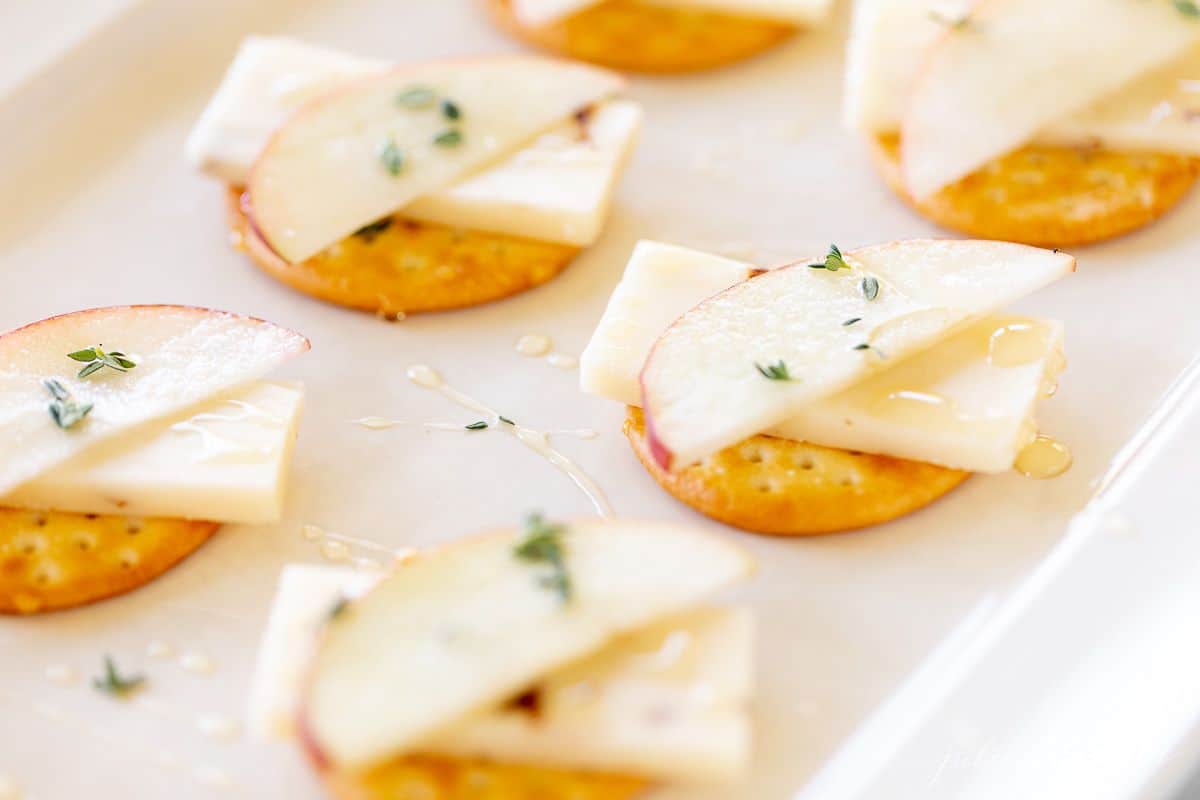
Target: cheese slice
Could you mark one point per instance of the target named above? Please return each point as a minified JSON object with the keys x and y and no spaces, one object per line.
{"x":967,"y":402}
{"x":557,"y":189}
{"x":225,"y":461}
{"x":890,"y":40}
{"x":667,"y":701}
{"x":1160,"y":111}
{"x":270,"y":77}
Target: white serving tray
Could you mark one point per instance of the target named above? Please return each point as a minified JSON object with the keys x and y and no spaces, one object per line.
{"x":99,"y":208}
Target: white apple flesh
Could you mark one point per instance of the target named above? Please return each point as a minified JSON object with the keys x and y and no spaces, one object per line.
{"x":326,"y":172}
{"x":701,"y":387}
{"x":469,"y":625}
{"x":993,"y":83}
{"x":184,"y":356}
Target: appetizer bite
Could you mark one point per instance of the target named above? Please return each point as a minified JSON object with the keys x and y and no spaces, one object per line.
{"x":821,"y":397}
{"x":558,"y":661}
{"x":1050,"y":124}
{"x":657,"y":35}
{"x":130,"y":434}
{"x":416,"y":187}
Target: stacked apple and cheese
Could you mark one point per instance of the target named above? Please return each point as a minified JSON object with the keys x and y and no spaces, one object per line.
{"x":123,"y":427}
{"x":657,"y":35}
{"x":413,"y":187}
{"x":1050,"y":123}
{"x":899,"y":350}
{"x":563,"y":655}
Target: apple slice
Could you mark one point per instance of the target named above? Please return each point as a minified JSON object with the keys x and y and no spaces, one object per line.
{"x":470,"y":625}
{"x":184,"y":356}
{"x":702,"y":388}
{"x":368,"y":150}
{"x":1015,"y":66}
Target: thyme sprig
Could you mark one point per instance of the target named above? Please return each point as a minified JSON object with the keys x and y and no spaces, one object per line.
{"x":64,"y":408}
{"x":543,"y":544}
{"x":774,"y":372}
{"x":95,"y":359}
{"x":112,"y":682}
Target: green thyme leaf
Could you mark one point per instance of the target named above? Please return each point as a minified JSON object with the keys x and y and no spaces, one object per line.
{"x":450,"y":110}
{"x":863,"y":346}
{"x":65,"y":410}
{"x":391,"y":157}
{"x":416,"y":97}
{"x":507,"y":421}
{"x":85,"y":355}
{"x":851,"y":321}
{"x":870,"y":287}
{"x":449,"y":138}
{"x":95,"y":366}
{"x":115,"y":684}
{"x":834,"y":260}
{"x":1189,"y":8}
{"x":775,"y":372}
{"x":543,"y":544}
{"x":476,"y":426}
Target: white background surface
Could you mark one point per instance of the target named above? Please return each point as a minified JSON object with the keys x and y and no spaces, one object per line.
{"x":99,"y":209}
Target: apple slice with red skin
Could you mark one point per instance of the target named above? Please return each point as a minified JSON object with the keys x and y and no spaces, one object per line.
{"x":364,"y":151}
{"x":184,"y":356}
{"x":470,"y":625}
{"x":703,"y":384}
{"x":1013,"y":67}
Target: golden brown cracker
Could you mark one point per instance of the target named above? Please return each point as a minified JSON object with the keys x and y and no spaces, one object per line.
{"x":408,"y":266}
{"x":787,"y":488}
{"x":51,"y":560}
{"x":641,"y":37}
{"x":436,"y":778}
{"x":1051,"y":196}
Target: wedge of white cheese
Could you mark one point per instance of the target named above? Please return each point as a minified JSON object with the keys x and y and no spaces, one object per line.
{"x":668,"y":701}
{"x":968,"y":402}
{"x":891,"y":39}
{"x":535,"y":13}
{"x":557,"y":189}
{"x":1159,"y":111}
{"x":224,"y":461}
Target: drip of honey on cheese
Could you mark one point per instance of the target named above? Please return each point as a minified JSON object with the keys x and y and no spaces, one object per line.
{"x":1017,"y":344}
{"x":1044,"y":457}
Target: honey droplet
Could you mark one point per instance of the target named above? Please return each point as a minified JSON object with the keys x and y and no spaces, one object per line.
{"x":533,"y":345}
{"x":1017,"y":344}
{"x":1043,"y":458}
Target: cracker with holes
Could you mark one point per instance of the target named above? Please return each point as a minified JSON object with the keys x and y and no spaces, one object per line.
{"x":835,"y":393}
{"x":519,"y":663}
{"x":132,"y":433}
{"x":450,"y":185}
{"x":657,"y":36}
{"x":994,"y":120}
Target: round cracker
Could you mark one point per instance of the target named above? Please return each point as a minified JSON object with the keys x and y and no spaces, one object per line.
{"x":51,"y":560}
{"x":1051,"y":196}
{"x":787,"y":488}
{"x":435,"y":778}
{"x":409,"y":266}
{"x":641,"y":37}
